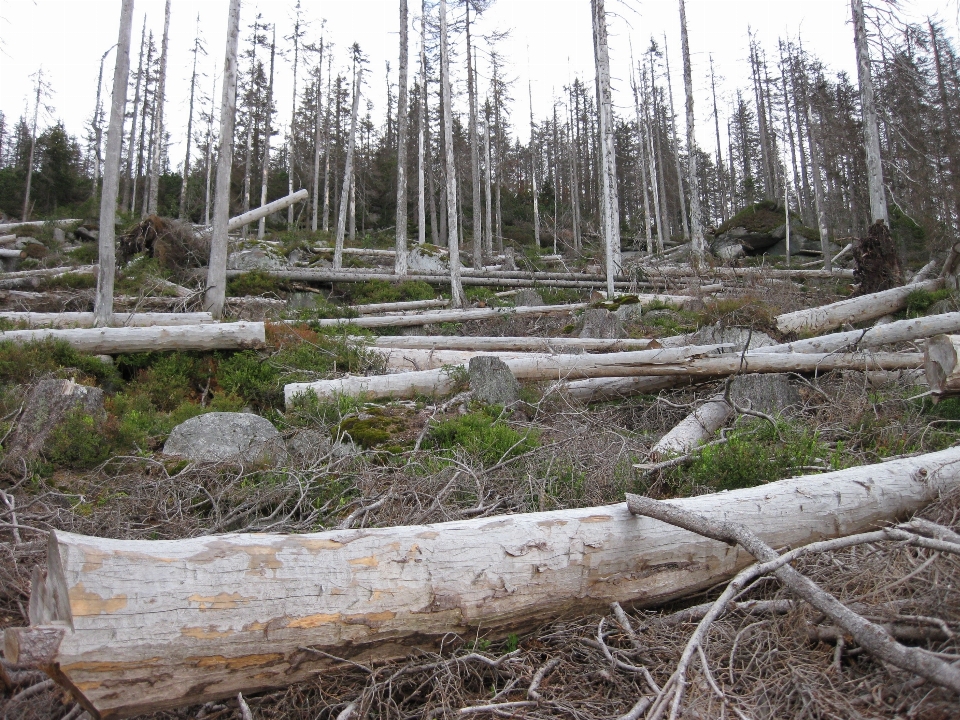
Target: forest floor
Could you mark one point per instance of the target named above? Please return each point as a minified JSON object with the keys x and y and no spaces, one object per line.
{"x":442,"y":463}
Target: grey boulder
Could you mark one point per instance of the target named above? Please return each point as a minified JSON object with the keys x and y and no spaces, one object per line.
{"x":492,"y":382}
{"x":227,"y":437}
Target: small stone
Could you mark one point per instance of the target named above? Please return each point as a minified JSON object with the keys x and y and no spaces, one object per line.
{"x":46,"y":406}
{"x":601,"y":323}
{"x":227,"y":437}
{"x":492,"y":382}
{"x":59,"y":235}
{"x":629,"y":312}
{"x":105,"y":359}
{"x":527,"y":298}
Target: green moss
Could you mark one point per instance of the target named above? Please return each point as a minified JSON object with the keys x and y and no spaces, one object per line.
{"x":69,"y":281}
{"x":255,"y":282}
{"x":919,"y":301}
{"x":381,"y":291}
{"x":370,"y":430}
{"x":22,"y":363}
{"x":483,"y":435}
{"x":78,"y":442}
{"x":86,"y":254}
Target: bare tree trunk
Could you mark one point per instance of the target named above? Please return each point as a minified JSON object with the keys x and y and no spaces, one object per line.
{"x":326,"y":150}
{"x":768,"y":161}
{"x":98,"y":129}
{"x":696,"y":223}
{"x":488,"y":194}
{"x":814,"y":140}
{"x":457,"y":298}
{"x":608,"y":157}
{"x":206,"y":195}
{"x":676,"y":144}
{"x":648,"y":230}
{"x":217,"y":270}
{"x":353,"y":204}
{"x":143,"y":124}
{"x":871,"y":134}
{"x":129,"y":179}
{"x":248,"y":160}
{"x":474,"y":152}
{"x":422,"y":135}
{"x":345,"y":193}
{"x":103,"y":303}
{"x":158,"y":143}
{"x":25,"y":215}
{"x":265,"y":169}
{"x":186,"y":161}
{"x":293,"y":115}
{"x":656,"y":169}
{"x":400,"y":264}
{"x":317,"y":131}
{"x":721,"y":192}
{"x":533,"y":173}
{"x":574,"y":179}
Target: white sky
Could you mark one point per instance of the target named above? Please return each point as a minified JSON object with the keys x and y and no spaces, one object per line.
{"x":68,"y":37}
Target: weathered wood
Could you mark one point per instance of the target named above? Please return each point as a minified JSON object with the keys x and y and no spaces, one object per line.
{"x":86,"y":319}
{"x":615,"y":388}
{"x":747,"y":273}
{"x":896,"y":332}
{"x":150,"y":625}
{"x":38,"y":223}
{"x":428,"y":317}
{"x":113,"y":341}
{"x":940,"y":364}
{"x":529,"y":344}
{"x":665,"y":361}
{"x":694,"y":428}
{"x":857,"y":309}
{"x":372,"y":308}
{"x":7,"y":239}
{"x":235,"y":223}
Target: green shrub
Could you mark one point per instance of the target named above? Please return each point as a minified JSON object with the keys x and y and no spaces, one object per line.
{"x":86,"y":254}
{"x":483,"y":435}
{"x":78,"y":442}
{"x":69,"y":281}
{"x":255,"y":282}
{"x":246,"y":375}
{"x":22,"y":363}
{"x":919,"y":301}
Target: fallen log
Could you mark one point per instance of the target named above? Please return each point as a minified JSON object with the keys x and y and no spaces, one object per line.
{"x":5,"y":239}
{"x":36,"y":223}
{"x":614,"y":388}
{"x":940,"y":365}
{"x":11,"y":253}
{"x":117,"y":340}
{"x":85,"y":319}
{"x":235,"y":223}
{"x":696,"y":427}
{"x":896,"y":332}
{"x":618,"y":365}
{"x":137,"y":626}
{"x":538,"y":367}
{"x":857,"y":309}
{"x":47,"y":272}
{"x":372,"y":308}
{"x":520,"y":344}
{"x":429,"y":317}
{"x":727,"y":273}
{"x":401,"y":360}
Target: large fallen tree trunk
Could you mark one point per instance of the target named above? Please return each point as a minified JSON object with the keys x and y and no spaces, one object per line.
{"x":136,"y":626}
{"x":429,"y":317}
{"x":117,"y":340}
{"x":23,"y":278}
{"x":372,"y":308}
{"x":530,"y":344}
{"x":857,"y":309}
{"x":895,"y":332}
{"x":36,"y":223}
{"x":85,"y":319}
{"x":616,"y":365}
{"x":726,"y":273}
{"x":235,"y":223}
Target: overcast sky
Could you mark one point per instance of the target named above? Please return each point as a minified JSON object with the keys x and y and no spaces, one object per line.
{"x":67,"y":38}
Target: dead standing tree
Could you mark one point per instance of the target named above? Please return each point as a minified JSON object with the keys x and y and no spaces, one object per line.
{"x":103,"y":306}
{"x":696,"y":221}
{"x":217,"y":270}
{"x":400,"y":264}
{"x":871,"y":133}
{"x":197,"y":49}
{"x":158,"y":129}
{"x":348,"y":169}
{"x":453,"y":237}
{"x":265,"y":169}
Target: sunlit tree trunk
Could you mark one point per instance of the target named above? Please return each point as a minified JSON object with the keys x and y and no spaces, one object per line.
{"x":326,"y":149}
{"x":209,"y":166}
{"x":265,"y":170}
{"x":422,"y":135}
{"x":217,"y":269}
{"x":474,"y":151}
{"x":488,"y":219}
{"x":103,"y":302}
{"x":871,"y":134}
{"x":345,"y":194}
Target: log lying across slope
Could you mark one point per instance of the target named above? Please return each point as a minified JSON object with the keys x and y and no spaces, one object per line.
{"x":643,"y":363}
{"x":428,"y":317}
{"x":116,"y":340}
{"x":85,"y":319}
{"x":516,"y":344}
{"x":134,"y":626}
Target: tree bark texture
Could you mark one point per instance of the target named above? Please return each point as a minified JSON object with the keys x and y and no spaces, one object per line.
{"x":136,"y":626}
{"x":345,"y":202}
{"x":400,"y":263}
{"x":158,"y":129}
{"x":696,"y":219}
{"x":453,"y":236}
{"x":86,"y":319}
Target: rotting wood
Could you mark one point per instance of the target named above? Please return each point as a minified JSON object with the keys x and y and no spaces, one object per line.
{"x":857,"y":309}
{"x":85,"y":319}
{"x":149,"y":625}
{"x":117,"y":340}
{"x":618,"y":365}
